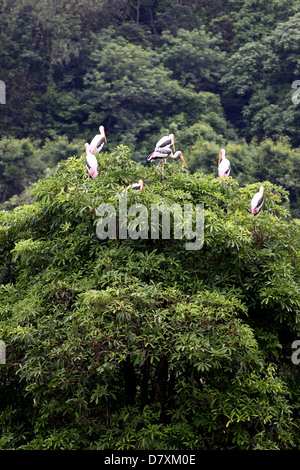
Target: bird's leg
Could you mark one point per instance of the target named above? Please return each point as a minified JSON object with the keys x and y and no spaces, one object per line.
{"x":164,"y":161}
{"x":162,"y":172}
{"x":159,"y":162}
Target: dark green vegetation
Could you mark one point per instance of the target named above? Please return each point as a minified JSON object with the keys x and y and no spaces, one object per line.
{"x":214,"y":73}
{"x":141,"y":344}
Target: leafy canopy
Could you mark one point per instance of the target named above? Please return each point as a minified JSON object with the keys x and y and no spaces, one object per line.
{"x":141,"y":344}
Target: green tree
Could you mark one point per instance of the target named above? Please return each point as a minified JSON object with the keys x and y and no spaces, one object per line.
{"x":256,"y":19}
{"x":194,"y":59}
{"x":274,"y":161}
{"x":23,"y":161}
{"x":19,"y":166}
{"x":43,"y":46}
{"x":128,"y":88}
{"x":262,"y":74}
{"x":143,"y":344}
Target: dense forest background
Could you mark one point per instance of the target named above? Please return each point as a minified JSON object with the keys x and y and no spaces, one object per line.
{"x":139,"y":343}
{"x":214,"y":73}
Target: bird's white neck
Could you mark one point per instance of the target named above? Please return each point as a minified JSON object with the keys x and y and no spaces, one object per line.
{"x":175,"y":155}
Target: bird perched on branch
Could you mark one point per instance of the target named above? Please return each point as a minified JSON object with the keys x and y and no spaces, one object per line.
{"x":91,"y":162}
{"x":137,"y":186}
{"x":97,"y":143}
{"x":257,"y":201}
{"x":163,"y":153}
{"x":223,"y":165}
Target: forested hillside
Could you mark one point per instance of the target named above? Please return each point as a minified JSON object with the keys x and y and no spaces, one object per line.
{"x":137,"y":342}
{"x":214,"y":73}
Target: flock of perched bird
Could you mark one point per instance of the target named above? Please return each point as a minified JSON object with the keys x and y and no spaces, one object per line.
{"x":161,"y":152}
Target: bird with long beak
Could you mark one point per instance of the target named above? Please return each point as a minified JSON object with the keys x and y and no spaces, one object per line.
{"x":223,"y":165}
{"x":97,"y":143}
{"x":257,"y":201}
{"x":138,"y":186}
{"x":165,"y":142}
{"x":162,"y":154}
{"x":91,"y":162}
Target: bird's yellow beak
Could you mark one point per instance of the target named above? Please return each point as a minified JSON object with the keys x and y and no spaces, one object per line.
{"x":220,"y":157}
{"x":105,"y":138}
{"x":144,"y":190}
{"x":181,"y":156}
{"x":174,"y":146}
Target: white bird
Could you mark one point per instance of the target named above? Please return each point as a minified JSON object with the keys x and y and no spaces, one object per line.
{"x":91,"y":162}
{"x":137,"y":186}
{"x":162,"y":153}
{"x":166,"y":141}
{"x":223,"y":165}
{"x":98,"y":141}
{"x":257,"y":201}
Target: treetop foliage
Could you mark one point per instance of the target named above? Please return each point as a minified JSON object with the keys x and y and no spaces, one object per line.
{"x":141,"y":344}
